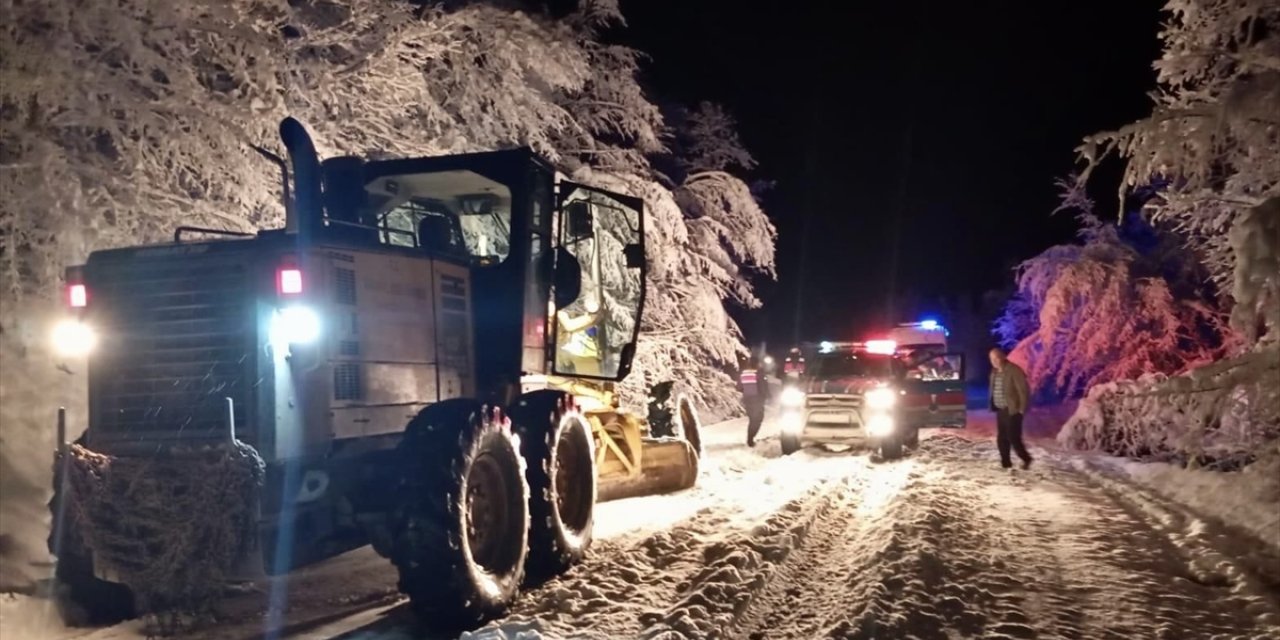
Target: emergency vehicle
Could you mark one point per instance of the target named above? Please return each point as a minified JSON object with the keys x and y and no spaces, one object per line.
{"x":874,"y":392}
{"x":919,"y":336}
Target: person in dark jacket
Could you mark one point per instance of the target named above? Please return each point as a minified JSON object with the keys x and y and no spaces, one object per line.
{"x":755,"y":392}
{"x":1010,"y":397}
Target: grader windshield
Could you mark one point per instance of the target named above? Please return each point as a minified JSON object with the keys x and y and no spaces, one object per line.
{"x":447,"y":212}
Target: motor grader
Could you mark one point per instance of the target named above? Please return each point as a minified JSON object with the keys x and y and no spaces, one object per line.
{"x":423,"y":359}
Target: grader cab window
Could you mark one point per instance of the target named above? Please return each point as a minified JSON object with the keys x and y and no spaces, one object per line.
{"x":594,"y":330}
{"x":459,"y":213}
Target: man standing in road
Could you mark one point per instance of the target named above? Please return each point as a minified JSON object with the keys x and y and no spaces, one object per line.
{"x":1010,"y":398}
{"x":755,"y":390}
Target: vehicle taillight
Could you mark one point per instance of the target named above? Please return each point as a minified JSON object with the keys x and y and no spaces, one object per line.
{"x":77,"y":296}
{"x":289,"y":281}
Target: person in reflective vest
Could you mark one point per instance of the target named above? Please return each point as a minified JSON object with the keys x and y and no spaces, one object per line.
{"x":755,"y":392}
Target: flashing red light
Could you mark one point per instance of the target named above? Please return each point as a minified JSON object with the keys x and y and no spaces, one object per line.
{"x":883,"y":347}
{"x":289,"y":281}
{"x":78,"y":296}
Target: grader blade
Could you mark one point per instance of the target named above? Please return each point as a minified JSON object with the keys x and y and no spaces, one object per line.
{"x":665,"y":465}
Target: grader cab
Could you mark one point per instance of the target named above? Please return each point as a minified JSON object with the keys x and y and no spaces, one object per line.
{"x":423,"y":359}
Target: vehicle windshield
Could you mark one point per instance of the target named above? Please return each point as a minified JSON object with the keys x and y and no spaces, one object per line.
{"x":850,"y":365}
{"x":460,"y":213}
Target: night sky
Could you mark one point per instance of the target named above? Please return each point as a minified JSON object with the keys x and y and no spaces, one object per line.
{"x":937,"y":123}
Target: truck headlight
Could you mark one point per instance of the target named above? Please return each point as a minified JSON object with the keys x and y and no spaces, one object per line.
{"x":73,"y":338}
{"x":792,"y":397}
{"x":882,"y":398}
{"x":880,"y":425}
{"x":792,"y":421}
{"x":295,"y":325}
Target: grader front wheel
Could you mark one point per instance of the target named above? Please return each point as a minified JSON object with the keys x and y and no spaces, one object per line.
{"x":555,"y":440}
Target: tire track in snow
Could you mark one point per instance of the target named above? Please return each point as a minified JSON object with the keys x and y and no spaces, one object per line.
{"x":839,"y":570}
{"x":706,"y":578}
{"x":897,"y":575}
{"x":1212,"y":555}
{"x":1090,"y":564}
{"x":737,"y":569}
{"x":690,"y":580}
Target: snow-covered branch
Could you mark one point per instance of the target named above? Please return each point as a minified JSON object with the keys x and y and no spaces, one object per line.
{"x":1212,"y":134}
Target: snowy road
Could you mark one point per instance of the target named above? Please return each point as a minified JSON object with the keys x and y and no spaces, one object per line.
{"x":942,"y":544}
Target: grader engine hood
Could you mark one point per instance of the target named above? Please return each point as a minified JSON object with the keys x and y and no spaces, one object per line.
{"x":177,"y":336}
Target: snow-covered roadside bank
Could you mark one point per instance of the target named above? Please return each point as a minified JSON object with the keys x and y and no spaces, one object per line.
{"x":1247,"y":500}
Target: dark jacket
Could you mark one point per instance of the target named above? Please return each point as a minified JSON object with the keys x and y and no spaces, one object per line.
{"x":1017,"y":394}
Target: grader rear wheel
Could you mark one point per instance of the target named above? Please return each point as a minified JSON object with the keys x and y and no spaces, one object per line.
{"x":460,"y":527}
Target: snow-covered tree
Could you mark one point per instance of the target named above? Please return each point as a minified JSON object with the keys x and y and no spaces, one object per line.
{"x":1212,"y":135}
{"x":1212,"y":143}
{"x":718,"y":240}
{"x":121,"y":119}
{"x":1122,"y":302}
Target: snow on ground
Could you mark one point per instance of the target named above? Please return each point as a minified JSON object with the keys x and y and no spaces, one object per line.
{"x":942,"y":544}
{"x":1248,"y":499}
{"x":31,"y":390}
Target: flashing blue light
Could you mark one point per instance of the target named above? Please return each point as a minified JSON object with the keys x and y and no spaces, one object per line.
{"x":826,"y":347}
{"x":929,"y":325}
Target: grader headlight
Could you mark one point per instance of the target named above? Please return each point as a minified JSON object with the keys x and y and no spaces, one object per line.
{"x":73,"y":338}
{"x":296,"y":324}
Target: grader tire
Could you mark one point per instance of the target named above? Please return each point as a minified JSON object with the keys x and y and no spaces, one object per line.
{"x":557,"y":445}
{"x":689,"y":425}
{"x":83,"y":598}
{"x":790,"y":443}
{"x":460,"y":555}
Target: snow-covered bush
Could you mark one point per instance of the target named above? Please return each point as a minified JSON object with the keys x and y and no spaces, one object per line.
{"x":1226,"y":413}
{"x":1223,"y":415}
{"x":121,"y":119}
{"x":1120,"y":303}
